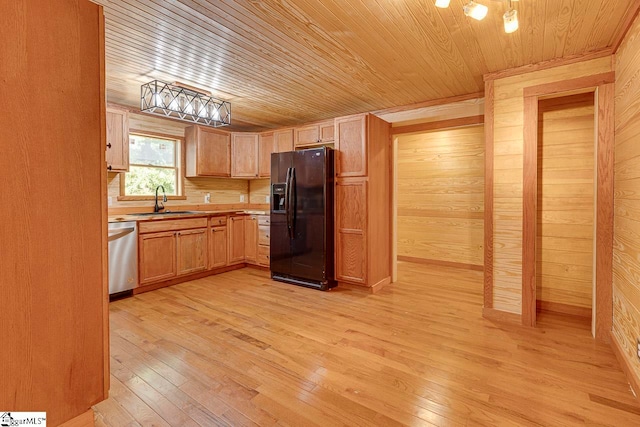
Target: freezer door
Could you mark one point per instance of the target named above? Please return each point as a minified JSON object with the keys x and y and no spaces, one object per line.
{"x":280,"y":248}
{"x":308,"y":245}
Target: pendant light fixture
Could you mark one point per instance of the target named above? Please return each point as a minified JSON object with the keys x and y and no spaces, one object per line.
{"x":184,"y":103}
{"x":475,"y":10}
{"x":442,"y":3}
{"x":510,"y":20}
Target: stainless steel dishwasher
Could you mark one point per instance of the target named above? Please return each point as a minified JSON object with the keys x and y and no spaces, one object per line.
{"x":123,"y":256}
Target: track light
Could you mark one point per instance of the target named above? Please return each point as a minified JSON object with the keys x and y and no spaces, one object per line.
{"x":475,"y":10}
{"x":442,"y":3}
{"x":510,"y":21}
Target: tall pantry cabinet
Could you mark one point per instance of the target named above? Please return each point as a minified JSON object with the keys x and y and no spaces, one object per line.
{"x":54,"y":223}
{"x":363,"y":201}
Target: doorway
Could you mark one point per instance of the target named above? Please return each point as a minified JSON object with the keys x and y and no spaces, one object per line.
{"x":565,"y":206}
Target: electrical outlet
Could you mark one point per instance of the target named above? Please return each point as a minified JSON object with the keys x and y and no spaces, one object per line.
{"x":241,"y":198}
{"x":266,"y":199}
{"x":638,"y":349}
{"x":109,"y":201}
{"x":207,"y":198}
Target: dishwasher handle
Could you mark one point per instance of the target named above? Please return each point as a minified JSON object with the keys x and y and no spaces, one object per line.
{"x":120,"y":232}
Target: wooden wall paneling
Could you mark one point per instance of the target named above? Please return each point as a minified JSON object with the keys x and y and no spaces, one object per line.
{"x":566,"y":203}
{"x":440,"y":195}
{"x":529,"y":210}
{"x":259,"y":191}
{"x":52,"y":261}
{"x":626,"y":242}
{"x":508,"y":174}
{"x":488,"y":194}
{"x":440,"y":124}
{"x":604,"y":212}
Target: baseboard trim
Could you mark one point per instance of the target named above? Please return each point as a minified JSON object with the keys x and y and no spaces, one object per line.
{"x":632,"y":378}
{"x":370,"y":289}
{"x":377,"y":287}
{"x":557,"y":307}
{"x":85,"y":419}
{"x":441,"y":263}
{"x":177,"y":280}
{"x":501,"y":316}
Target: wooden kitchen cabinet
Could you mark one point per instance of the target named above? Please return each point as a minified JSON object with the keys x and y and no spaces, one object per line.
{"x":218,"y":245}
{"x":208,"y":152}
{"x":235,"y":228}
{"x":283,"y":140}
{"x":362,"y":201}
{"x":192,"y":251}
{"x":264,"y":240}
{"x":171,"y":248}
{"x":117,"y":154}
{"x":244,"y":155}
{"x":351,"y":145}
{"x":157,"y":252}
{"x":251,"y":239}
{"x":266,"y":146}
{"x":351,"y":201}
{"x":314,"y":134}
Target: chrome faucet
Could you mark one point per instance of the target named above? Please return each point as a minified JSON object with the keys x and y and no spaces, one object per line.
{"x":159,"y":206}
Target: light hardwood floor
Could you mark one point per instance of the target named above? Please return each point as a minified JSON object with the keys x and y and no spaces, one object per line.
{"x":238,"y":349}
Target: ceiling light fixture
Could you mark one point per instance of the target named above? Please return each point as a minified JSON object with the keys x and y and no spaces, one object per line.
{"x":475,"y":10}
{"x":184,"y":103}
{"x":479,"y":11}
{"x":510,"y":20}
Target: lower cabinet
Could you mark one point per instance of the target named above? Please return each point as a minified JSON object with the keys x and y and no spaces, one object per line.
{"x":157,"y":256}
{"x":192,"y":251}
{"x":264,"y":240}
{"x":251,"y":239}
{"x":236,"y":230}
{"x":218,"y":242}
{"x":351,"y":236}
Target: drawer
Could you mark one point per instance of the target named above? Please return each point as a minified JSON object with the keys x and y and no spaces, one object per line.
{"x":263,"y":255}
{"x":264,"y":220}
{"x":263,"y":235}
{"x":218,"y":220}
{"x":171,"y":225}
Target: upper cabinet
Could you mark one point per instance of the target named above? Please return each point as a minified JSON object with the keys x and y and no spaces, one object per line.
{"x":265,"y":148}
{"x":208,"y":152}
{"x":315,"y":134}
{"x":283,"y":140}
{"x":117,"y":140}
{"x":244,"y":155}
{"x":351,"y":146}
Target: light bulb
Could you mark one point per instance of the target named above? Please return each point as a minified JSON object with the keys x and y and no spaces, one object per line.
{"x":442,"y":3}
{"x":510,"y":21}
{"x":475,"y":10}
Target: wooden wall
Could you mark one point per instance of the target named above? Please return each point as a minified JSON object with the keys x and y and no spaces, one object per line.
{"x":441,"y":195}
{"x":626,"y":246}
{"x":564,"y":248}
{"x":508,"y":174}
{"x":222,"y":190}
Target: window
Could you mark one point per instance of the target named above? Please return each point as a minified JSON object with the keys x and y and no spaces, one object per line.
{"x":153,"y":161}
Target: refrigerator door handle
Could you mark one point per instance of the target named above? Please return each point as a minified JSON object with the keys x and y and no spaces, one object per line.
{"x":292,"y":203}
{"x":287,"y":202}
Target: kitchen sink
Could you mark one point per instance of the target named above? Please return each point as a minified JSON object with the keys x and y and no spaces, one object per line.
{"x":166,"y":213}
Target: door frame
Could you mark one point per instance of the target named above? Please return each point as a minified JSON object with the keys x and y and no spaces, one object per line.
{"x":602,"y":85}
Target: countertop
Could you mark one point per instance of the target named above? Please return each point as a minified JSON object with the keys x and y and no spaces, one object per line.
{"x":191,"y":214}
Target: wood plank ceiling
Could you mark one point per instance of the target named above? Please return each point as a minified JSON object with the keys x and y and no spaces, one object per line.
{"x":284,"y":62}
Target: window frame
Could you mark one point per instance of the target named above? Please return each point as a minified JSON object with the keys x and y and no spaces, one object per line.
{"x":180,"y":165}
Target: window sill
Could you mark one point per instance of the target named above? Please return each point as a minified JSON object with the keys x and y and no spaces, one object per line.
{"x":134,"y":198}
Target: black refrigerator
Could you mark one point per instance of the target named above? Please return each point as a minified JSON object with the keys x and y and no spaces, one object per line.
{"x":302,"y":217}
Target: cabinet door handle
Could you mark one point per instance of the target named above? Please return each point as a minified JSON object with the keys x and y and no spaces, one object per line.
{"x":109,"y":167}
{"x":109,"y":145}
